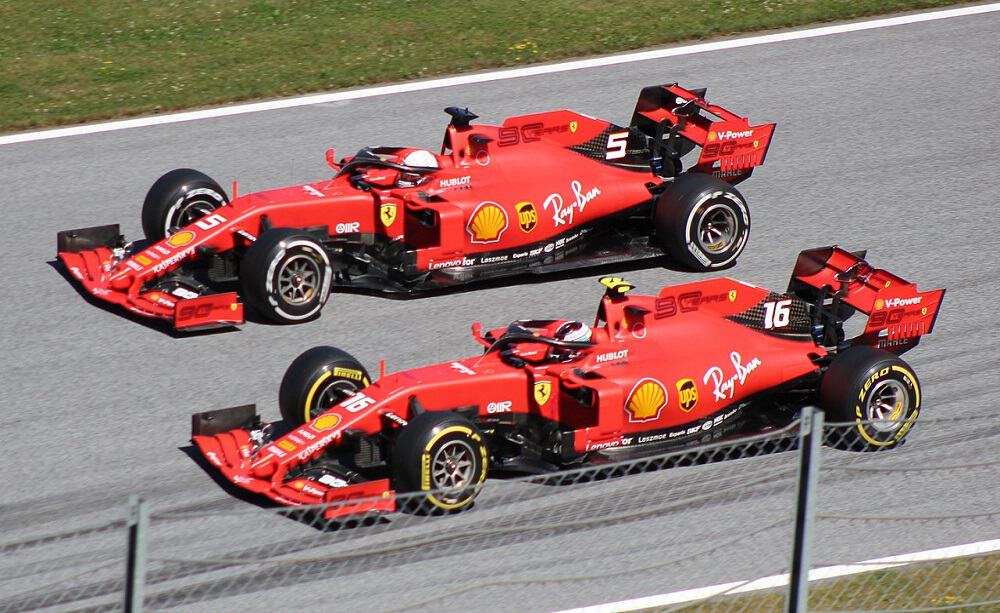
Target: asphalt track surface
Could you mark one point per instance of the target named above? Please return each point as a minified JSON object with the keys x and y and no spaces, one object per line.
{"x":886,"y":140}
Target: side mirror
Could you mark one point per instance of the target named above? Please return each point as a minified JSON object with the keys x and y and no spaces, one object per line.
{"x":477,"y":334}
{"x":331,"y":159}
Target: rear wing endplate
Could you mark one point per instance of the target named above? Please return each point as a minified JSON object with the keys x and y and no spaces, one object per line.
{"x":898,"y":313}
{"x":681,"y":119}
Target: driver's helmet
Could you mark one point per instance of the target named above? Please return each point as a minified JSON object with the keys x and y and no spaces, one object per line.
{"x":573,"y":331}
{"x":417,"y":157}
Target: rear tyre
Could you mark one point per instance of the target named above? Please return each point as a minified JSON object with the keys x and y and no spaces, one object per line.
{"x":177,"y":199}
{"x":286,"y":275}
{"x":876,"y":391}
{"x":316,"y":380}
{"x":702,"y":222}
{"x":443,"y":454}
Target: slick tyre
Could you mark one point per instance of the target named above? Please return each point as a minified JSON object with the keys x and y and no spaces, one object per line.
{"x":286,"y":275}
{"x":876,"y":392}
{"x":177,"y":199}
{"x":316,"y":380}
{"x":702,"y":222}
{"x":443,"y":458}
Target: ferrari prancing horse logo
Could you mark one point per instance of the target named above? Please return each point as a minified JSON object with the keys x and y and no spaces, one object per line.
{"x":387,"y":213}
{"x":543,"y":391}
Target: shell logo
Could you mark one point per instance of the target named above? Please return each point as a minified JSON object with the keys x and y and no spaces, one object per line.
{"x":879,"y":304}
{"x":181,"y":238}
{"x":487,"y":223}
{"x":325,"y":422}
{"x":646,"y":400}
{"x":711,"y":136}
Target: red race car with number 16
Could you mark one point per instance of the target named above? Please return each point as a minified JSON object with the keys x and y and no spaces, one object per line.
{"x":695,"y":362}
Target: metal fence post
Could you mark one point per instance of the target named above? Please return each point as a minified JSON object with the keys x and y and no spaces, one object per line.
{"x":810,"y":441}
{"x":135,"y":569}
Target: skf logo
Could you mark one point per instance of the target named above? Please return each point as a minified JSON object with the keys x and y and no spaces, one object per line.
{"x":527,"y":216}
{"x":687,"y":394}
{"x":287,"y":445}
{"x":387,"y":213}
{"x":646,"y":400}
{"x":543,"y":391}
{"x":181,"y":238}
{"x":487,"y":223}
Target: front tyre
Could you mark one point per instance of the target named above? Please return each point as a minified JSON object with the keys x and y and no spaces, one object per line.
{"x":316,"y":380}
{"x":443,"y":455}
{"x":177,"y":199}
{"x":286,"y":275}
{"x":702,"y":222}
{"x":876,"y":391}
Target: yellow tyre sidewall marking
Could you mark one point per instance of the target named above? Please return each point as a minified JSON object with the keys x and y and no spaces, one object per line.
{"x":425,"y":466}
{"x":910,"y":379}
{"x":312,"y":392}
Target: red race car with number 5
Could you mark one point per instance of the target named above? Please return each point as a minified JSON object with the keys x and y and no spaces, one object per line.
{"x":693,"y":363}
{"x":542,"y":192}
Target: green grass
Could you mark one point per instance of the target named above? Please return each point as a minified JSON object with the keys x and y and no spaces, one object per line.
{"x":956,"y":585}
{"x":64,"y":61}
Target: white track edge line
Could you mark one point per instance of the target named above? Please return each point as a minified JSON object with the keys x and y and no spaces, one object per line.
{"x":824,"y":572}
{"x":516,"y":73}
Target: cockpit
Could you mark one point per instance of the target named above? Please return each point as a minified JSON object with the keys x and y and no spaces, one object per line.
{"x":388,"y":167}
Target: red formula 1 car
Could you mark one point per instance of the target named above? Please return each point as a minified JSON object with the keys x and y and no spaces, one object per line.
{"x":697,"y":361}
{"x":539,"y":193}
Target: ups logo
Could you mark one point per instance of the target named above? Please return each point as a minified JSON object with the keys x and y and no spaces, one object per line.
{"x":527,"y":216}
{"x":687,"y":394}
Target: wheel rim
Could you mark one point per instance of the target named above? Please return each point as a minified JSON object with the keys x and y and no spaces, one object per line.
{"x":188,"y":213}
{"x":298,"y":279}
{"x":453,"y":467}
{"x":332,"y":394}
{"x":717,"y":228}
{"x":887,"y":405}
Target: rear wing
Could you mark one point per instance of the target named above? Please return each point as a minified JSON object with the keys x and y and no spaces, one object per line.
{"x":898,"y":313}
{"x":680,"y":119}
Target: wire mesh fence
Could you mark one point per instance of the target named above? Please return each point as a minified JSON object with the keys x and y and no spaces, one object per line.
{"x":82,"y":565}
{"x":720,"y":514}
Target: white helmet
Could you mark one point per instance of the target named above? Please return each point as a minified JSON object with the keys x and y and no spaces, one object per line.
{"x":573,"y":331}
{"x":420,"y":158}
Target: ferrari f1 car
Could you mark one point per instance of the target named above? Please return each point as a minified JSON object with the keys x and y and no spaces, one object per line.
{"x":696,"y":361}
{"x":542,"y":192}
